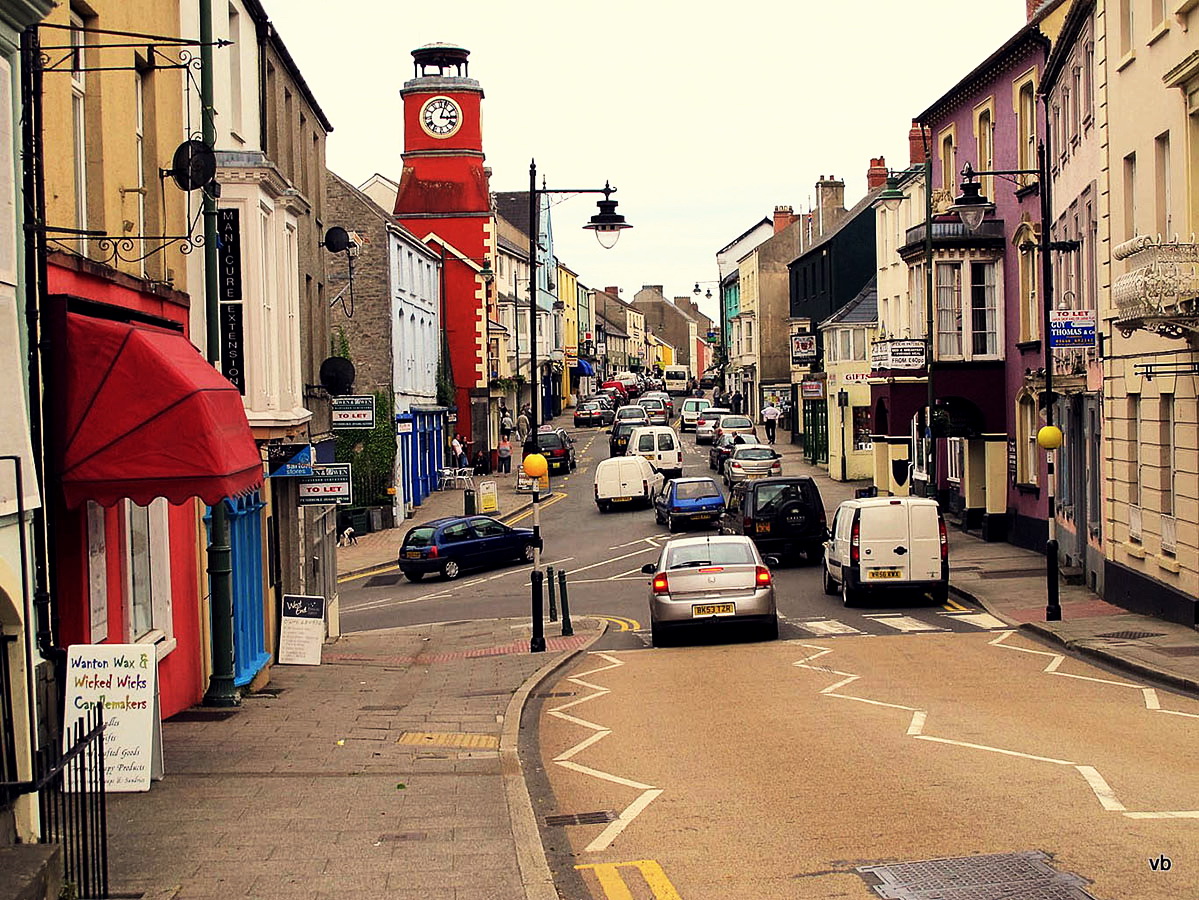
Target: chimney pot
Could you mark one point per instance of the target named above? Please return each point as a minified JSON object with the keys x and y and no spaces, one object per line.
{"x":876,"y":175}
{"x":916,"y":144}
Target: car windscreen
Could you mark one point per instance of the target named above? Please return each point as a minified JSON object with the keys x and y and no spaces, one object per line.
{"x":714,"y":553}
{"x":771,"y":497}
{"x":753,"y":453}
{"x":696,"y":490}
{"x":419,"y":537}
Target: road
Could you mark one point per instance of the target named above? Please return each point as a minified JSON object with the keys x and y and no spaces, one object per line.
{"x":864,"y":737}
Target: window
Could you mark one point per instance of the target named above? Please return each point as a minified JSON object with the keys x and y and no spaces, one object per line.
{"x":1030,"y":309}
{"x":949,"y":309}
{"x":1125,"y":26}
{"x":1075,"y":104}
{"x":665,"y":441}
{"x":147,"y":567}
{"x":920,"y":448}
{"x":1026,"y":114}
{"x":984,"y":324}
{"x":140,"y":77}
{"x":1166,"y":472}
{"x":1027,"y":422}
{"x":235,"y":85}
{"x":1130,"y":196}
{"x":486,"y":528}
{"x":954,"y":459}
{"x":1134,"y":450}
{"x":1094,"y":462}
{"x":949,"y":169}
{"x":1157,"y":9}
{"x":1163,"y":215}
{"x":453,"y":534}
{"x":79,"y":123}
{"x":1088,"y":82}
{"x":984,"y":135}
{"x":749,"y":335}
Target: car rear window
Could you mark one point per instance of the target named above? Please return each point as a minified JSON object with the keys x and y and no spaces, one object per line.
{"x":735,"y":422}
{"x":624,"y":429}
{"x":696,"y":490}
{"x":724,"y":553}
{"x":753,"y":453}
{"x":770,"y":497}
{"x":419,"y":537}
{"x":665,"y":441}
{"x":646,"y":443}
{"x":550,"y":441}
{"x":632,"y":412}
{"x":695,"y":404}
{"x":651,"y":403}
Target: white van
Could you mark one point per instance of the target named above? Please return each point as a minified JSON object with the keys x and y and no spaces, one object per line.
{"x":887,"y":543}
{"x":622,"y":480}
{"x":692,"y":407}
{"x":660,"y":445}
{"x":676,"y":378}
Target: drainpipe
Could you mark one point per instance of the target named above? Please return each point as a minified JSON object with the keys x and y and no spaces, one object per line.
{"x":221,"y":689}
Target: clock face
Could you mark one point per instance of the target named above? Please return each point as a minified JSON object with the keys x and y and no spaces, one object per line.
{"x":440,"y":117}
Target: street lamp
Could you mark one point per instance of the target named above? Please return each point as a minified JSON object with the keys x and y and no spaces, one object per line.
{"x":891,"y":197}
{"x":721,"y":359}
{"x":972,"y":206}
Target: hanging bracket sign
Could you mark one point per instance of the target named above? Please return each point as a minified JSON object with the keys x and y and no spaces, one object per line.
{"x":329,"y":483}
{"x":354,"y":411}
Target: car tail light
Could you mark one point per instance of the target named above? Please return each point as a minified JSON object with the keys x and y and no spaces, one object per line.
{"x":763,"y":576}
{"x":433,"y":552}
{"x":747,"y":523}
{"x":855,"y":541}
{"x":778,"y":467}
{"x":660,"y":584}
{"x":597,"y":492}
{"x":944,"y":538}
{"x":820,"y":512}
{"x":645,"y":486}
{"x":736,"y":465}
{"x":701,"y":421}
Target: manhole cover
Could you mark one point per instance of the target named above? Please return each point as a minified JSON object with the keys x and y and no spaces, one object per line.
{"x":602,"y":817}
{"x":1025,"y":875}
{"x":384,"y":581}
{"x":1131,"y":635}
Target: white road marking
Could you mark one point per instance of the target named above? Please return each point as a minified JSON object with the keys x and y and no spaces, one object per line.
{"x":616,"y":826}
{"x":828,"y":626}
{"x":905,"y":623}
{"x":985,"y":621}
{"x":582,"y":745}
{"x":1106,"y":796}
{"x":1184,"y":814}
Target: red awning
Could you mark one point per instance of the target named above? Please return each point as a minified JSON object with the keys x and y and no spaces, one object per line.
{"x":147,"y":416}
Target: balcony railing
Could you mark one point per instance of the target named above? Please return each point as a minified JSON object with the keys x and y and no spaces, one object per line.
{"x":1160,"y":290}
{"x":990,"y":233}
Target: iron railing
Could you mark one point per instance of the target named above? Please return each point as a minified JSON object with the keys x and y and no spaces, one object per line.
{"x":71,"y":803}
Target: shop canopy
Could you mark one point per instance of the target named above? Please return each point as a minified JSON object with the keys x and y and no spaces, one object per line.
{"x":583,"y":367}
{"x":146,"y":416}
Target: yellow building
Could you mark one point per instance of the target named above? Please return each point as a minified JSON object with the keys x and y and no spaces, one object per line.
{"x":848,"y":334}
{"x":568,"y":296}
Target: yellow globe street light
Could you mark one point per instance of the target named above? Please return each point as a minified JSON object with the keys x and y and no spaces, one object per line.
{"x":1049,"y":438}
{"x":535,"y":465}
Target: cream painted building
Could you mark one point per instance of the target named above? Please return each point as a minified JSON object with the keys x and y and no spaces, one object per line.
{"x":848,"y":335}
{"x":1147,"y":109}
{"x":743,"y":369}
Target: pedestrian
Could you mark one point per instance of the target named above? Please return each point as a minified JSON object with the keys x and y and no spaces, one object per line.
{"x":522,"y":426}
{"x":459,"y":449}
{"x":770,"y":417}
{"x":737,"y":400}
{"x":504,"y":454}
{"x":505,"y":422}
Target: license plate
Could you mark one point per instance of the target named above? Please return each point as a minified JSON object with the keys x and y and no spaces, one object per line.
{"x":750,"y":476}
{"x":713,"y":609}
{"x":762,"y":526}
{"x":883,"y":574}
{"x":412,"y":554}
{"x":702,"y":517}
{"x":621,"y":499}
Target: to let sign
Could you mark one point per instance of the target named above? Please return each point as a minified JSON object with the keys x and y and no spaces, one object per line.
{"x":354,"y":412}
{"x":1071,"y":328}
{"x":329,"y":483}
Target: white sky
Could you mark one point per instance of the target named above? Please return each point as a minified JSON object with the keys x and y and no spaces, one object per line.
{"x":704,"y":116}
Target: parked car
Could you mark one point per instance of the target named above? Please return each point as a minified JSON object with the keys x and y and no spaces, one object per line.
{"x":660,"y":445}
{"x":733,"y":424}
{"x":655,"y":408}
{"x":665,"y":398}
{"x":449,"y":546}
{"x":558,"y":450}
{"x":749,"y":461}
{"x":625,"y":480}
{"x":781,"y":515}
{"x":592,"y":412}
{"x":723,"y":446}
{"x":618,"y":437}
{"x":687,"y":500}
{"x":705,"y":425}
{"x":710,"y":582}
{"x":634,"y":412}
{"x":707,"y":381}
{"x":619,"y":386}
{"x":692,"y":407}
{"x":887,"y":544}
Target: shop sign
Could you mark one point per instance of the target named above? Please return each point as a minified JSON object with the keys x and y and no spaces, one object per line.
{"x":301,"y":630}
{"x":1071,"y":328}
{"x":329,"y":483}
{"x":811,"y":390}
{"x":404,"y":427}
{"x":232,"y":340}
{"x":354,"y":412}
{"x":897,"y":355}
{"x":803,"y":349}
{"x":289,"y":460}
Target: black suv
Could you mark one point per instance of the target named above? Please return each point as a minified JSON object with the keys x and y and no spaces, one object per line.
{"x":783,"y":516}
{"x":618,"y":437}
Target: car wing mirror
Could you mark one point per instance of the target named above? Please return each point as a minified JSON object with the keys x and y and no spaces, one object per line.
{"x":773,"y":561}
{"x":649,"y":568}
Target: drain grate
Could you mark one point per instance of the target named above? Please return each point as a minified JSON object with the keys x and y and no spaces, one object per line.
{"x":204,"y":715}
{"x":1178,"y":651}
{"x":556,"y":694}
{"x":485,"y":694}
{"x":1025,"y":875}
{"x":602,"y":817}
{"x":1131,"y":635}
{"x":403,"y":836}
{"x":384,"y":581}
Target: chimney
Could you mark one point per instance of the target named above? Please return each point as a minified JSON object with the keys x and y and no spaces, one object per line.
{"x":916,"y":144}
{"x":783,"y":216}
{"x":830,"y":199}
{"x":1033,"y":6}
{"x":614,"y":291}
{"x":876,"y":175}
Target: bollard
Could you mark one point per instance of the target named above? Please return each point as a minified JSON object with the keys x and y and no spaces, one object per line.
{"x":567,"y":629}
{"x":468,"y":502}
{"x":537,"y":642}
{"x":549,"y":583}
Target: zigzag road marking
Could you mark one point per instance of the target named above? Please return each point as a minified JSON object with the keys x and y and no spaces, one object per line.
{"x":648,"y":792}
{"x":1103,"y":792}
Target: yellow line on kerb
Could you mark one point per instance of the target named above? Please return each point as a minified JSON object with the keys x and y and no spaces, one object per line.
{"x":614,"y":887}
{"x":955,"y":606}
{"x":622,"y":623}
{"x":344,"y":578}
{"x":543,"y":504}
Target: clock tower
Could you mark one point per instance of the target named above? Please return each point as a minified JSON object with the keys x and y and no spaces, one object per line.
{"x":445,"y":200}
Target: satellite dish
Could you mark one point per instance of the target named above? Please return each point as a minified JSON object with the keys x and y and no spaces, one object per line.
{"x":336,"y":239}
{"x":193,"y":165}
{"x":337,"y":375}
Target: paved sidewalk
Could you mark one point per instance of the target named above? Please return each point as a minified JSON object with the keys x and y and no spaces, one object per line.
{"x":388,"y":771}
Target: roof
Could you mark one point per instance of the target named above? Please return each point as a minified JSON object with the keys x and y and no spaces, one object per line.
{"x":375,"y":209}
{"x":1076,"y":18}
{"x":514,"y":206}
{"x":861,"y":310}
{"x":867,"y":202}
{"x":745,"y":233}
{"x":256,"y":10}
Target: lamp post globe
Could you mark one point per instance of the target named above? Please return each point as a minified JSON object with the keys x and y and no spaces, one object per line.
{"x":1049,"y":437}
{"x":535,"y":465}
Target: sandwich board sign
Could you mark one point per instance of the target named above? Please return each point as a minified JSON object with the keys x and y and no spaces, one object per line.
{"x":121,"y":682}
{"x":301,"y":630}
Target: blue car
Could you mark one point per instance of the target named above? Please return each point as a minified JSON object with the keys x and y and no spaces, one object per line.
{"x":451,"y":545}
{"x":686,"y":500}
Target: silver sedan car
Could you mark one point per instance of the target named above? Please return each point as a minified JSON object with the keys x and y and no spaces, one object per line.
{"x":751,"y":461}
{"x":710,"y":582}
{"x":705,"y":425}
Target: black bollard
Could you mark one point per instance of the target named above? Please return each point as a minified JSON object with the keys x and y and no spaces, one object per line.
{"x":537,"y":642}
{"x":567,"y":630}
{"x":549,"y":583}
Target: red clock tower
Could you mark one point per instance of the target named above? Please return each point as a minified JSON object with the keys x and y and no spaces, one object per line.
{"x":444,"y":198}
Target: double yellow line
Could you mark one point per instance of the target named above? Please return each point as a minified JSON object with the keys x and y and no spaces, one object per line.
{"x":621,"y":623}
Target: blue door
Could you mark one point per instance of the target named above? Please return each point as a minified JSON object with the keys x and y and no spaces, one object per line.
{"x":249,"y":628}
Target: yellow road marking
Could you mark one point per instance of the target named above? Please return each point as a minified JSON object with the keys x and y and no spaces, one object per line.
{"x":622,"y":623}
{"x":449,"y":739}
{"x":952,"y":604}
{"x":609,"y":877}
{"x":543,"y":505}
{"x":391,"y":568}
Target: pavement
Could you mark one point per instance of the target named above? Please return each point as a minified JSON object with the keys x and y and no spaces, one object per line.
{"x":392,"y":768}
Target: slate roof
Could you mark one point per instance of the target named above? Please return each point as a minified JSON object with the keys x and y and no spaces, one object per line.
{"x":514,"y":206}
{"x":858,"y":208}
{"x":861,"y":310}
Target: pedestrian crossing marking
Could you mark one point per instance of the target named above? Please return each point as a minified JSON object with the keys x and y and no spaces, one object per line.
{"x":899,"y":622}
{"x":904,"y":623}
{"x":983,"y":620}
{"x":828,"y":626}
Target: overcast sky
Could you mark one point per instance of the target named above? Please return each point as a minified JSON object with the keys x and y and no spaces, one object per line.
{"x":704,"y":117}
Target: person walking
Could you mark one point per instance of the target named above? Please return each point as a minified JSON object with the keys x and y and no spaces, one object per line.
{"x":505,"y":422}
{"x":504,"y":454}
{"x":770,"y":418}
{"x":522,"y":426}
{"x":737,"y":400}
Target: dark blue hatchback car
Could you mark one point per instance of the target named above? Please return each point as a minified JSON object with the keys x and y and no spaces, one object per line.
{"x":686,"y":500}
{"x":450,"y":546}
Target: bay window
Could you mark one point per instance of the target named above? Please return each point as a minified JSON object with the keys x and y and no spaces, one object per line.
{"x":976,"y":335}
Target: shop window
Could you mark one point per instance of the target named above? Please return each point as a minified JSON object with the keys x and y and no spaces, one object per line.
{"x":147,"y":567}
{"x":862,"y":435}
{"x":954,"y":458}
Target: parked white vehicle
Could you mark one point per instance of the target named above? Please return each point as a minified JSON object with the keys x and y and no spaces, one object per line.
{"x":660,"y":446}
{"x":887,"y":544}
{"x":705,"y":425}
{"x":626,"y":480}
{"x":677,"y":379}
{"x":692,"y":407}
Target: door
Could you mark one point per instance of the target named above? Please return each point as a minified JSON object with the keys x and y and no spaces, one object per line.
{"x":885,"y":543}
{"x":925,"y":543}
{"x":1076,"y":447}
{"x":815,"y":414}
{"x":493,"y":541}
{"x":460,"y":544}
